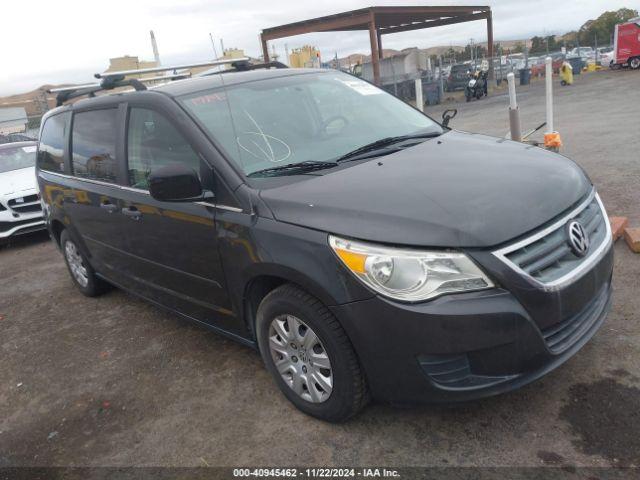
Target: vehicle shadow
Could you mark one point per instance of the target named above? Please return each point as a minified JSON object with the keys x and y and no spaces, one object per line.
{"x":24,"y":241}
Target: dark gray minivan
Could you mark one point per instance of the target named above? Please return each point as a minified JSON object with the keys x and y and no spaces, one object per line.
{"x":365,"y":250}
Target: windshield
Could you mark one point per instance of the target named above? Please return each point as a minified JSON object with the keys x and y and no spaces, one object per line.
{"x":302,"y":118}
{"x":17,"y":158}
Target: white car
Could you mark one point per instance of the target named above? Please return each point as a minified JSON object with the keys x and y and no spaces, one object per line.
{"x":20,"y":208}
{"x":606,"y":59}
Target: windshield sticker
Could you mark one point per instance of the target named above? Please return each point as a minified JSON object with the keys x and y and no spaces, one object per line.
{"x":30,"y":149}
{"x":208,"y":98}
{"x":363,"y":88}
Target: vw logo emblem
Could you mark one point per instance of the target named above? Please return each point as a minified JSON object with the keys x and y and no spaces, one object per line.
{"x":578,"y":238}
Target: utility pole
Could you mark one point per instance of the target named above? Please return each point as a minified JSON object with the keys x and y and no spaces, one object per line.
{"x":154,"y":46}
{"x":213,"y":45}
{"x":222,"y":46}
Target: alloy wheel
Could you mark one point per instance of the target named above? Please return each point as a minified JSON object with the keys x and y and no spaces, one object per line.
{"x":76,"y":264}
{"x":300,"y":358}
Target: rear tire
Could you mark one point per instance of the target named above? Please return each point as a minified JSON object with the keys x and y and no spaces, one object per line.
{"x":309,"y":355}
{"x":634,"y":63}
{"x":80,"y":270}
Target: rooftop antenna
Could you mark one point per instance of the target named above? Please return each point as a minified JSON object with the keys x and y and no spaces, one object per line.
{"x":213,"y":45}
{"x":154,"y":45}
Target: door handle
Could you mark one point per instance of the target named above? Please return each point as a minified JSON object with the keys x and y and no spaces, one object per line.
{"x":132,"y":212}
{"x":109,"y":207}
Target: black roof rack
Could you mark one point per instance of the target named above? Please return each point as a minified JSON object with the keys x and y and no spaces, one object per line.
{"x":111,"y":80}
{"x":107,"y":83}
{"x":244,"y":65}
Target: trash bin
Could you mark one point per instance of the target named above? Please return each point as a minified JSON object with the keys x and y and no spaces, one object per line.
{"x":525,"y":76}
{"x":576,"y":64}
{"x":431,"y":93}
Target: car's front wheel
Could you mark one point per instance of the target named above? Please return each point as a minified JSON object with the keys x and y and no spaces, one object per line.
{"x":309,"y":355}
{"x":82,"y":273}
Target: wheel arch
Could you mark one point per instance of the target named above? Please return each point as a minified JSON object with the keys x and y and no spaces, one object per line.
{"x":56,"y":230}
{"x":267,"y":278}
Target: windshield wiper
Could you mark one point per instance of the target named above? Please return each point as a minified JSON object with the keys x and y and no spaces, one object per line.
{"x":293,"y":168}
{"x":384,"y":142}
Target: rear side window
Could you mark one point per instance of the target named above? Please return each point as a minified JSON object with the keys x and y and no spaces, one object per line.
{"x":93,"y":144}
{"x":52,"y":138}
{"x":153,"y":142}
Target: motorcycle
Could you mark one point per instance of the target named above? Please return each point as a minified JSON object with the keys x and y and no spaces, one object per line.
{"x":477,"y":86}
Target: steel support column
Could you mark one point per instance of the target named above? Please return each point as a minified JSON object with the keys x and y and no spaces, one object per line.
{"x":265,"y":49}
{"x":375,"y":55}
{"x":490,"y":47}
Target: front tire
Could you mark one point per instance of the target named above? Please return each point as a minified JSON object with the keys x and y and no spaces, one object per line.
{"x":309,"y":355}
{"x":82,"y":274}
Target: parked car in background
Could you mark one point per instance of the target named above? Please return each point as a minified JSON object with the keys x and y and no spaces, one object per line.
{"x":556,"y":62}
{"x":532,"y":61}
{"x":15,"y":137}
{"x":557,"y":59}
{"x":538,"y":66}
{"x":458,"y":77}
{"x":606,"y":59}
{"x":361,"y":247}
{"x":582,"y":52}
{"x":602,"y":50}
{"x":20,"y":209}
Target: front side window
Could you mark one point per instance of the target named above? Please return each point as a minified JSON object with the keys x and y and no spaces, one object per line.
{"x":93,"y":144}
{"x":52,"y":138}
{"x":17,"y":157}
{"x":314,"y":117}
{"x":153,"y":142}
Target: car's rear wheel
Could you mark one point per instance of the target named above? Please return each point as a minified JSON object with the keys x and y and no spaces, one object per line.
{"x":82,"y":273}
{"x":634,"y":63}
{"x":309,"y":355}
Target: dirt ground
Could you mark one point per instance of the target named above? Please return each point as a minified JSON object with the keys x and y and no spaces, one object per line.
{"x":115,"y":381}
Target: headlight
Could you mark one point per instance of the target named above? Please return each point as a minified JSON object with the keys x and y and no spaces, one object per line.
{"x":407,"y":274}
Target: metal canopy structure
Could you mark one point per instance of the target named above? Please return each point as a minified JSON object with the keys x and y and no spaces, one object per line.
{"x":384,"y":20}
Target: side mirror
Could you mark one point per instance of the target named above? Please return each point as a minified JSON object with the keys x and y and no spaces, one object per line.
{"x":176,"y":183}
{"x":448,"y":115}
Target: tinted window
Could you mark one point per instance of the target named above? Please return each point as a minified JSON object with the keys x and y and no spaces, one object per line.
{"x":154,"y":142}
{"x":50,"y":151}
{"x":93,"y":144}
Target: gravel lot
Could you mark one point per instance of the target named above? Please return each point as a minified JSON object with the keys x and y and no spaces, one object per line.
{"x":115,"y":381}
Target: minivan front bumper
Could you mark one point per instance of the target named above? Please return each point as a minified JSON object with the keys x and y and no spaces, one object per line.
{"x":466,"y":346}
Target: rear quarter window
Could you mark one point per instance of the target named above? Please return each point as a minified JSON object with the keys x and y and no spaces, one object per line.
{"x":93,"y":144}
{"x":52,"y":138}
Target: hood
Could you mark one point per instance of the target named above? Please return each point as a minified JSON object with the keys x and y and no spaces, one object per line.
{"x":15,"y":181}
{"x":457,"y":190}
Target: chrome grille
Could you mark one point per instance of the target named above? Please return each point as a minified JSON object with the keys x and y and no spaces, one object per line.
{"x":27,"y":204}
{"x":547,"y":257}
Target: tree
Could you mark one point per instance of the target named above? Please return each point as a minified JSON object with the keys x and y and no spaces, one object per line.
{"x":541,"y":45}
{"x":603,"y":26}
{"x":518,"y":47}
